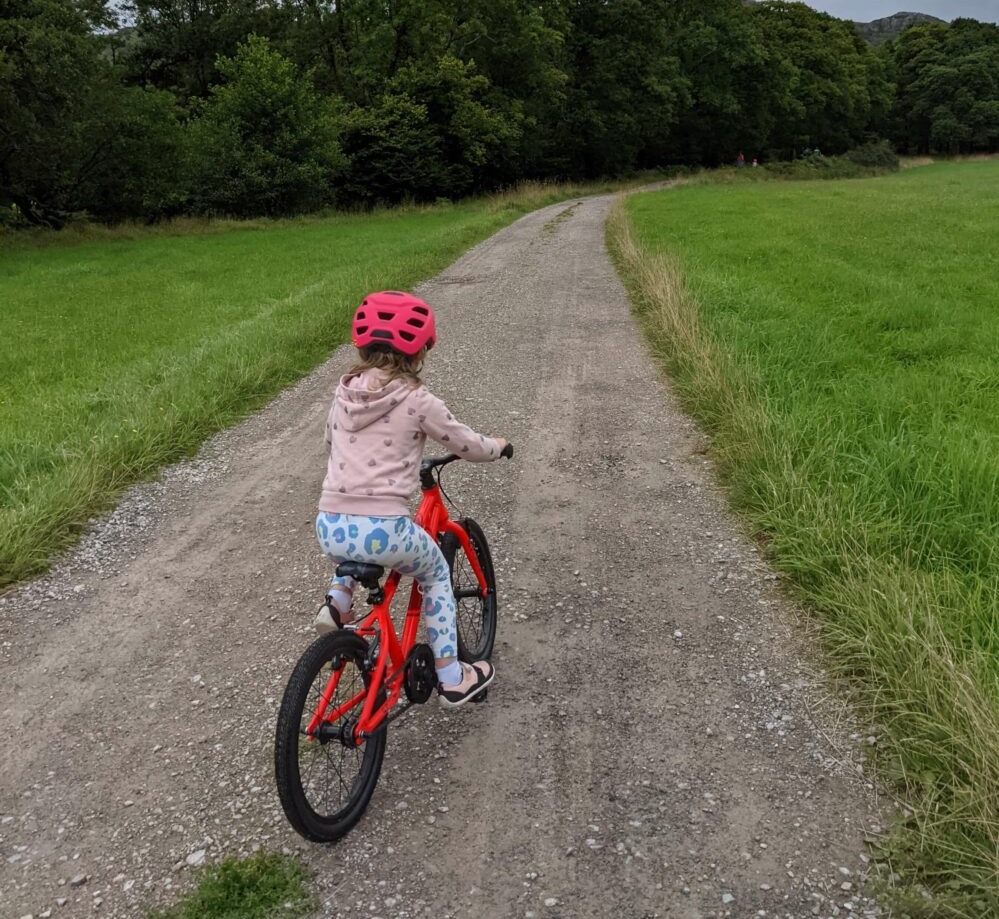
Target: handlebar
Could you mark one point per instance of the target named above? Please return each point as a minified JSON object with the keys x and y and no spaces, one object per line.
{"x":438,"y":462}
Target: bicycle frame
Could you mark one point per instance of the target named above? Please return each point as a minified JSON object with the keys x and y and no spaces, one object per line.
{"x":392,"y":652}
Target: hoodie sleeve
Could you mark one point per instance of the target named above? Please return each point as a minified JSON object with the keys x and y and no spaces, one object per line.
{"x":438,"y":423}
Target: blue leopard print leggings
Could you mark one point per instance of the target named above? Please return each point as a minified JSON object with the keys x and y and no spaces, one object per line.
{"x":399,"y":545}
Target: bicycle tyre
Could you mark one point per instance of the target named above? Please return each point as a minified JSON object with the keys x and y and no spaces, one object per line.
{"x":325,"y":787}
{"x":476,"y":615}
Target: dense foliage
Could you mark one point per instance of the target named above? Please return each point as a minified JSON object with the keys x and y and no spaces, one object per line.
{"x":282,"y":106}
{"x":947,"y":80}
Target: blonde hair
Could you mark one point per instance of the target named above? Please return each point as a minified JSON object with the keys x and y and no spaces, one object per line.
{"x":393,"y":365}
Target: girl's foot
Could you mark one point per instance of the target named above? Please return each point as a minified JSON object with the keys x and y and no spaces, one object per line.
{"x":475,"y":678}
{"x":329,"y":618}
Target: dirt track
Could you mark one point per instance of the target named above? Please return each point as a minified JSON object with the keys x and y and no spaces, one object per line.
{"x":654,"y":745}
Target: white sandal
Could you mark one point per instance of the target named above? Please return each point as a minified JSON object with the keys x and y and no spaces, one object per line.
{"x":475,"y":677}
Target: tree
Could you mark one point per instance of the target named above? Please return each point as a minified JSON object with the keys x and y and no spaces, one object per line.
{"x":392,"y":153}
{"x":519,"y":53}
{"x":916,"y":52}
{"x":264,"y":142}
{"x":728,"y":82}
{"x":67,"y":142}
{"x":826,"y":77}
{"x":48,"y":62}
{"x":948,"y":87}
{"x":364,"y":48}
{"x":430,"y":135}
{"x":177,"y":43}
{"x":474,"y":136}
{"x":624,"y":87}
{"x":138,"y":173}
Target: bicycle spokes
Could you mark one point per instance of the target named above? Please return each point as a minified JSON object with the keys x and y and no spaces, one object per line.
{"x":326,"y":716}
{"x":325,"y":769}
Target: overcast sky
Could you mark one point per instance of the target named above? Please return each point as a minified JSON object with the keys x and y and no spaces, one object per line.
{"x":867,"y":10}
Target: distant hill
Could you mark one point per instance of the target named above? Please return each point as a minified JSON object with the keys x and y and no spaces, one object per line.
{"x":882,"y":30}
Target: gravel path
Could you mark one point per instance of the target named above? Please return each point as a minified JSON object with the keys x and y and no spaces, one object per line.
{"x":656,"y":743}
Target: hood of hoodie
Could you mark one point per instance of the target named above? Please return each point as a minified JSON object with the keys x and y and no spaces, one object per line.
{"x":364,"y":398}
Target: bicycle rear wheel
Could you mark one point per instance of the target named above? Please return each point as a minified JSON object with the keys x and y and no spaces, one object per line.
{"x":476,"y":614}
{"x":325,"y":783}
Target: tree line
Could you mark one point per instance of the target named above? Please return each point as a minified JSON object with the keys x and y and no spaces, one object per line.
{"x":155,"y":108}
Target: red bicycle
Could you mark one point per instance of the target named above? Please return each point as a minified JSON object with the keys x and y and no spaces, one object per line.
{"x":348,"y":685}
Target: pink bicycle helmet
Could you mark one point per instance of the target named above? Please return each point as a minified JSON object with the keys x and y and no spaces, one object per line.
{"x":396,"y":319}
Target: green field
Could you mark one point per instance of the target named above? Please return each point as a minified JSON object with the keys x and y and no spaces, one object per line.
{"x":121,"y":351}
{"x":838,"y":339}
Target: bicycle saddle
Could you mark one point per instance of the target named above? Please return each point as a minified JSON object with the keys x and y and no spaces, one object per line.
{"x":365,"y":574}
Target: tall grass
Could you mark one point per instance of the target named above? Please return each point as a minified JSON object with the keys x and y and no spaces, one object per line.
{"x":122,"y":349}
{"x":838,"y":341}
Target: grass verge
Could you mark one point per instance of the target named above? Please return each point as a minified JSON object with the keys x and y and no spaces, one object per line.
{"x":122,"y":349}
{"x":836,"y":340}
{"x":261,"y":887}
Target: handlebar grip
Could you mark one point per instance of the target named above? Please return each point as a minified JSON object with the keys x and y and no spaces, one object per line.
{"x":507,"y":451}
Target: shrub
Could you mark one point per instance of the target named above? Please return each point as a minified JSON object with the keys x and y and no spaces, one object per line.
{"x":877,"y":154}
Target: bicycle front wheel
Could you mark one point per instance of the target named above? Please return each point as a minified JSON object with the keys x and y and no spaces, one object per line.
{"x":325,"y":780}
{"x":476,"y":613}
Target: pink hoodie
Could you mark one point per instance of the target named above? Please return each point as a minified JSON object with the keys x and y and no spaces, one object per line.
{"x":376,"y":433}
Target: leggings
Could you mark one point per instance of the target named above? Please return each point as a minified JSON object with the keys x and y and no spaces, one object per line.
{"x":399,"y":545}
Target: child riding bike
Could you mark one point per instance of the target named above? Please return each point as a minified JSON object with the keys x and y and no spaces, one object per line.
{"x":380,"y":418}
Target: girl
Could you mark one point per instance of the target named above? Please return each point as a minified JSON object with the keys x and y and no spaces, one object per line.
{"x":380,"y":418}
